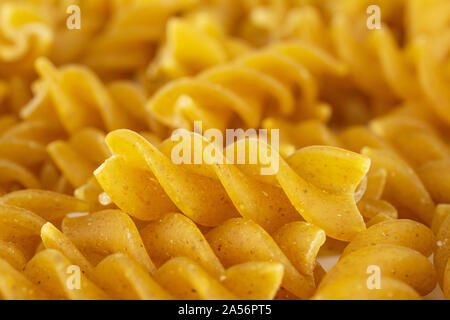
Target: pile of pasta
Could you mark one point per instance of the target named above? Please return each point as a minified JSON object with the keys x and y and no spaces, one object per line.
{"x":93,"y":207}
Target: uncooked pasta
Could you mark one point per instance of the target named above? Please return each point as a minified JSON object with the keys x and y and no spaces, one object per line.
{"x":223,"y":149}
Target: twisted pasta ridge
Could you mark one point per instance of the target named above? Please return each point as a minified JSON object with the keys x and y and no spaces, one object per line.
{"x":396,"y":279}
{"x":23,"y":214}
{"x":76,"y":166}
{"x":84,"y":112}
{"x":23,"y":153}
{"x":71,"y":158}
{"x":427,"y":153}
{"x":423,"y":147}
{"x":416,"y":155}
{"x":126,"y":42}
{"x":26,"y":146}
{"x":294,"y":184}
{"x":89,"y":104}
{"x":422,"y":151}
{"x":402,"y":145}
{"x":217,"y":241}
{"x":203,"y":256}
{"x":276,"y":76}
{"x":31,"y":29}
{"x":361,"y":171}
{"x":402,"y":60}
{"x":262,"y":22}
{"x":193,"y":44}
{"x":119,"y":252}
{"x":186,"y":240}
{"x":410,"y":72}
{"x":413,"y":242}
{"x":25,"y":34}
{"x":49,"y":119}
{"x":368,"y":195}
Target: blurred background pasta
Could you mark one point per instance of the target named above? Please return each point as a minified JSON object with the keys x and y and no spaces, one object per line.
{"x":87,"y":182}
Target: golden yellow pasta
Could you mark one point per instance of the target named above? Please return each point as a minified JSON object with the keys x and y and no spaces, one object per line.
{"x":300,"y":180}
{"x":400,"y":262}
{"x":193,"y":44}
{"x":273,"y":75}
{"x":352,"y":288}
{"x":224,"y":149}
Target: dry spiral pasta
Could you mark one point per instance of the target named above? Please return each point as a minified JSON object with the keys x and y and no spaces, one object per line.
{"x":122,"y":46}
{"x":38,"y":28}
{"x":77,"y":230}
{"x":87,"y":172}
{"x":406,"y":71}
{"x":85,"y":118}
{"x":235,"y":251}
{"x":193,"y":43}
{"x":281,"y":77}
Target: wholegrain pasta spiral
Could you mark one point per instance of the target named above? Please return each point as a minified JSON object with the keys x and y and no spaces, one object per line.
{"x":295,"y":178}
{"x":269,"y":79}
{"x":125,"y":43}
{"x":116,"y":178}
{"x":193,"y":44}
{"x":25,"y":33}
{"x":92,"y":104}
{"x":22,"y":151}
{"x":409,"y":72}
{"x":227,"y":284}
